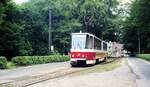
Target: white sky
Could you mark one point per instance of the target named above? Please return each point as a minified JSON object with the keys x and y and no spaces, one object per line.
{"x":20,"y":1}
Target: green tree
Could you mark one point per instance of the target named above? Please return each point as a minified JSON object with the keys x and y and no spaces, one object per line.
{"x":12,"y":42}
{"x":25,"y":27}
{"x":137,"y":27}
{"x":36,"y":15}
{"x":94,"y":16}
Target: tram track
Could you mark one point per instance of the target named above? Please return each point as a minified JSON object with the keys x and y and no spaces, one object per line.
{"x":31,"y":80}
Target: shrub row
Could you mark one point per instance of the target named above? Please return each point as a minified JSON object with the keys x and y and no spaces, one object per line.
{"x":144,"y":56}
{"x":3,"y":63}
{"x":30,"y":60}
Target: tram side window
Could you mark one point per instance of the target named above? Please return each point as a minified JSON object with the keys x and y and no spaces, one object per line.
{"x":89,"y":42}
{"x":97,"y":44}
{"x":105,"y":46}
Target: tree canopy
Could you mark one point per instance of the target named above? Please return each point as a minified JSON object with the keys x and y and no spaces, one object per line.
{"x":24,"y":28}
{"x":137,"y":27}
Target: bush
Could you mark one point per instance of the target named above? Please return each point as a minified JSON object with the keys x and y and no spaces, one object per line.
{"x":21,"y":60}
{"x":3,"y":63}
{"x":144,"y":56}
{"x":30,"y":60}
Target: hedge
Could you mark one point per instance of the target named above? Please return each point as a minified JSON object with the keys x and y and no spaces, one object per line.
{"x":3,"y":63}
{"x":30,"y":60}
{"x":144,"y":56}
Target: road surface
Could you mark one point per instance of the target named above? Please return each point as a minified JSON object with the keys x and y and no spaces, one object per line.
{"x":25,"y":76}
{"x":141,"y":68}
{"x":135,"y":73}
{"x":119,"y":77}
{"x":9,"y":75}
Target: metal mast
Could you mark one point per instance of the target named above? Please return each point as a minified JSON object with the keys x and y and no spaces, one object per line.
{"x":50,"y":40}
{"x":139,"y":43}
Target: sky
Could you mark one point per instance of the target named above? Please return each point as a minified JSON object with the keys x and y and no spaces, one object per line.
{"x":19,"y":1}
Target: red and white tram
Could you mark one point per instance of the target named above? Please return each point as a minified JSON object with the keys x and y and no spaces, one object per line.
{"x":87,"y":49}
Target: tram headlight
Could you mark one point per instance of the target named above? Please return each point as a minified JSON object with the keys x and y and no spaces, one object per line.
{"x":72,"y":55}
{"x":83,"y":56}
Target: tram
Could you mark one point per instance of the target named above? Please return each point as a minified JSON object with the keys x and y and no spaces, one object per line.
{"x":87,"y":49}
{"x":115,"y":50}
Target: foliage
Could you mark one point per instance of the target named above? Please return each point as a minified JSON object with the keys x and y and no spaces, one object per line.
{"x":30,"y":60}
{"x":137,"y":26}
{"x":144,"y":56}
{"x":3,"y":63}
{"x":94,"y":16}
{"x":10,"y":65}
{"x":24,"y":28}
{"x":11,"y":38}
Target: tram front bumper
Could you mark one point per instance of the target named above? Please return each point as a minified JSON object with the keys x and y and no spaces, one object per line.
{"x":73,"y":63}
{"x":80,"y":61}
{"x":77,"y":61}
{"x":90,"y":61}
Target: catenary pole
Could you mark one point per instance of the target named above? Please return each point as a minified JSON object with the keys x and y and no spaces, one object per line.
{"x":50,"y":35}
{"x":139,"y":43}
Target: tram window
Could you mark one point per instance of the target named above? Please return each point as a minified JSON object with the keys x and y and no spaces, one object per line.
{"x":78,"y":41}
{"x":89,"y":42}
{"x":105,"y":46}
{"x":97,"y":44}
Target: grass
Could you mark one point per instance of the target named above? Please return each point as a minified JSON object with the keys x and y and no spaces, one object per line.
{"x":144,"y":56}
{"x":8,"y":85}
{"x":10,"y":65}
{"x":101,"y":67}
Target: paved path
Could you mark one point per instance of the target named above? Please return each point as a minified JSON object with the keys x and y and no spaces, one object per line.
{"x":120,"y":77}
{"x":7,"y":75}
{"x":142,"y":70}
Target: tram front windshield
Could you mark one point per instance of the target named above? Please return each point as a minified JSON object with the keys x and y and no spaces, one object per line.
{"x":78,"y":41}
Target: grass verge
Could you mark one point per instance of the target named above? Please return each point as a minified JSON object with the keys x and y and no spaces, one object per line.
{"x":144,"y":56}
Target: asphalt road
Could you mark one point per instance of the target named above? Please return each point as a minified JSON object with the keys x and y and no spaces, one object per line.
{"x":8,"y":75}
{"x":142,"y":70}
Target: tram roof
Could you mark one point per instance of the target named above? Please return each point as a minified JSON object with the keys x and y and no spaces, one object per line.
{"x":89,"y":35}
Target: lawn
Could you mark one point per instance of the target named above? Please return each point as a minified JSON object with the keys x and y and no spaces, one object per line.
{"x":144,"y":56}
